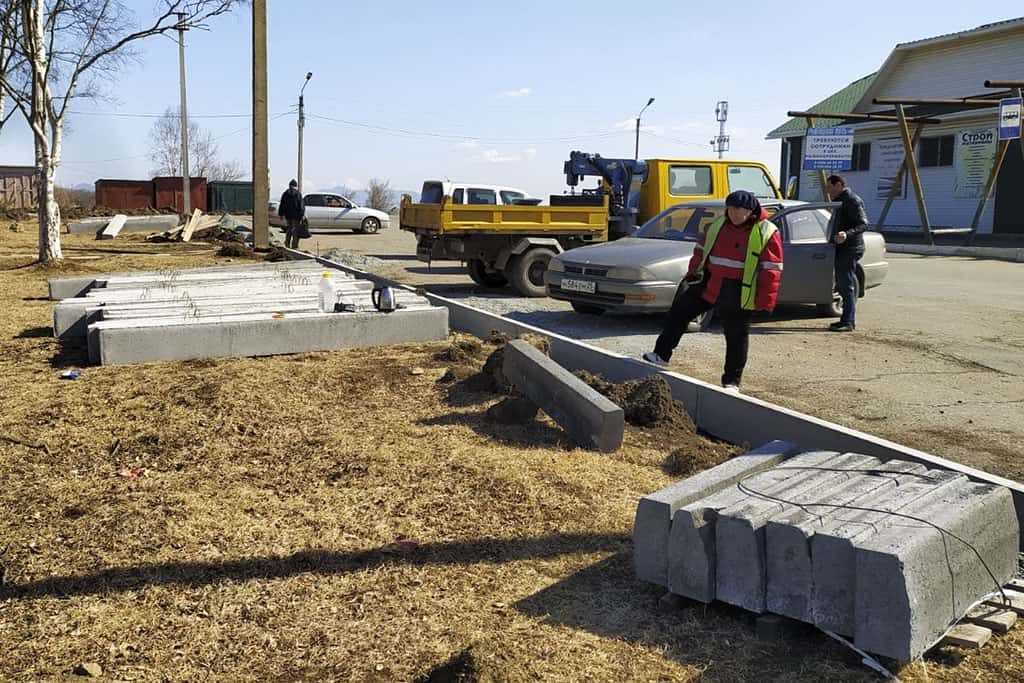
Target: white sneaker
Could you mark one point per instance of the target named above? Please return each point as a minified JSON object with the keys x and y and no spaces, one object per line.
{"x":652,"y":357}
{"x":734,"y":388}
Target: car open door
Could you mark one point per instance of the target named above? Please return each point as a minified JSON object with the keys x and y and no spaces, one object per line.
{"x":808,"y":256}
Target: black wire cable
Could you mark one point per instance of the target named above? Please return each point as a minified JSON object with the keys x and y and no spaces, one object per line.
{"x":741,"y":485}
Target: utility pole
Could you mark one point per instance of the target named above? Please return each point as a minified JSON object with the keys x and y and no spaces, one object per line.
{"x":721,"y":143}
{"x":302,"y":124}
{"x":260,"y":161}
{"x":185,"y":180}
{"x":636,"y":153}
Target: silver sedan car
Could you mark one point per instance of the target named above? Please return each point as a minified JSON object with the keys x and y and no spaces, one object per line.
{"x":326,"y":211}
{"x":640,"y":274}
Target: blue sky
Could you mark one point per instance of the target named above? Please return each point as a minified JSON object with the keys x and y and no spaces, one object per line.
{"x":495,"y":92}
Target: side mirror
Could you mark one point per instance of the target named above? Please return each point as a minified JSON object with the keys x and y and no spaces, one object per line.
{"x":791,"y":187}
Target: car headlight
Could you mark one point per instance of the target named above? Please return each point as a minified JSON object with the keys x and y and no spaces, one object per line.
{"x":556,"y":266}
{"x":629,"y":273}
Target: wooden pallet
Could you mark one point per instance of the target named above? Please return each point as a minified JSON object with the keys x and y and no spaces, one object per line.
{"x":994,"y":616}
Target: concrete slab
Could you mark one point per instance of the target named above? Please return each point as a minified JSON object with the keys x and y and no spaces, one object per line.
{"x":164,"y":341}
{"x":113,"y":228}
{"x":916,"y":577}
{"x":132,"y":224}
{"x":833,"y":575}
{"x":590,"y":418}
{"x":692,"y":557}
{"x":740,"y":533}
{"x":789,"y":574}
{"x":654,"y":512}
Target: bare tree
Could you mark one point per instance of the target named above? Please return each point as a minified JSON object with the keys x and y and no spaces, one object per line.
{"x":67,"y":49}
{"x":379,"y":194}
{"x":203,"y":152}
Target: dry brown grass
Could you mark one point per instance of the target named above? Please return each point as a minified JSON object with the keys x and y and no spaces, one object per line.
{"x":337,"y":516}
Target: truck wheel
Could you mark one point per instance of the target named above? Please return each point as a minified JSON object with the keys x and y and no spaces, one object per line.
{"x":526,"y":272}
{"x":586,"y":309}
{"x":483,"y":276}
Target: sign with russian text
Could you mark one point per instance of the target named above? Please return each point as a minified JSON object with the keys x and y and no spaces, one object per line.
{"x":829,"y":149}
{"x":974,"y":155}
{"x":1009,"y":118}
{"x":887,"y":156}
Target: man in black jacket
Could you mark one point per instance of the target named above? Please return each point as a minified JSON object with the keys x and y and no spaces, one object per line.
{"x":850,"y":223}
{"x":293,"y":210}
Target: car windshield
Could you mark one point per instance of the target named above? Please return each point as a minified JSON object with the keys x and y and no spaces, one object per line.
{"x":680,"y":223}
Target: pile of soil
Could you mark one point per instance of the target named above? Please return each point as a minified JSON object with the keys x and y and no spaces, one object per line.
{"x":663,"y":422}
{"x":237,"y":249}
{"x":494,"y":366}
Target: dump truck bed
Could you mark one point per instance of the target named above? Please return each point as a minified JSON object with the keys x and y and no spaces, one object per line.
{"x":451,"y":219}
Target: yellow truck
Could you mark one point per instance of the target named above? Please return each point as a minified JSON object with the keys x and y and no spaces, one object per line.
{"x":512,"y":243}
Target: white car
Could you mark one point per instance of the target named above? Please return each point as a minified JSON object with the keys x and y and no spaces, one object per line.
{"x":326,"y":211}
{"x":474,"y":193}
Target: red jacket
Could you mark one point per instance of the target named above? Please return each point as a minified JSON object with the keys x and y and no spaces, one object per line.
{"x":732,"y":244}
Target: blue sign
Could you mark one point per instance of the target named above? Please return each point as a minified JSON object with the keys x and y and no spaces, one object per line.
{"x":829,"y":149}
{"x":1009,"y":118}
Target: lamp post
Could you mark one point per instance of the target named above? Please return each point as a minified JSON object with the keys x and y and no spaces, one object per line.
{"x":302,"y":124}
{"x":636,"y":154}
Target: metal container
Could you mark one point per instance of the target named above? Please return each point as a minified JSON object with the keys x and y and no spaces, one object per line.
{"x":234,"y":196}
{"x":124,"y":194}
{"x":167,"y":193}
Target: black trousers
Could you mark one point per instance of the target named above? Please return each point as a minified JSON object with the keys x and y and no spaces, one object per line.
{"x":689,"y":304}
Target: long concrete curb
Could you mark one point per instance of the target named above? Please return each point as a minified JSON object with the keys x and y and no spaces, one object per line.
{"x":1011,"y":254}
{"x":736,"y":418}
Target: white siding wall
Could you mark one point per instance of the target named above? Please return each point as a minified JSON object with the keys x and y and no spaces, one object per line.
{"x":944,"y":210}
{"x":955,"y":69}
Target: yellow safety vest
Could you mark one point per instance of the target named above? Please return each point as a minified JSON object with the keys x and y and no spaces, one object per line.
{"x":759,"y":236}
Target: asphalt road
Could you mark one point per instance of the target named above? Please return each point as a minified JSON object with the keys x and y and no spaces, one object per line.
{"x":936,"y":362}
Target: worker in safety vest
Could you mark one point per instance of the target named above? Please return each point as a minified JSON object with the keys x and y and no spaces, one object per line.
{"x":736,"y":266}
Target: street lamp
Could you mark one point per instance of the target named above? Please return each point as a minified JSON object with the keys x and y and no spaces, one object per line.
{"x":636,"y":154}
{"x":302,"y":124}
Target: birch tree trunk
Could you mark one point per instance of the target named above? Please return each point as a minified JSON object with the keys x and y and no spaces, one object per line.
{"x":46,"y":131}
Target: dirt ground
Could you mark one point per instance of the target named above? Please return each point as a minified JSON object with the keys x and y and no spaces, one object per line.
{"x":934,"y":364}
{"x":350,"y":516}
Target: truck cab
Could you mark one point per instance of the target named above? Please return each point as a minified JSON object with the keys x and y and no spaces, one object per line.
{"x":481,"y":194}
{"x":674,"y":181}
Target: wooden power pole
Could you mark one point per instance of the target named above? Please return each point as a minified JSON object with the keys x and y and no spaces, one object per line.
{"x":260,"y":160}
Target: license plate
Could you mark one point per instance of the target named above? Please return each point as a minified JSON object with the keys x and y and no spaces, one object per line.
{"x":585,"y":286}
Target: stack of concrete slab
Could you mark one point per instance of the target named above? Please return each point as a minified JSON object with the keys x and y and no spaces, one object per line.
{"x":232,"y":311}
{"x":887,"y":553}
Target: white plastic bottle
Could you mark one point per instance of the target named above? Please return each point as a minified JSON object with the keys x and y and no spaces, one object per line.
{"x":327,"y":294}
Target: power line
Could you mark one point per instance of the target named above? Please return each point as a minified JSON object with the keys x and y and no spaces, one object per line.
{"x":146,"y":156}
{"x":406,"y":132}
{"x":129,"y":115}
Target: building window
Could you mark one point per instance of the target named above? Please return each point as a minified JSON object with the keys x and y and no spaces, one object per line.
{"x":861,"y":157}
{"x":936,"y":151}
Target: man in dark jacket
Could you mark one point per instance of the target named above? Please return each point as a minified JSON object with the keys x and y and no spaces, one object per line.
{"x":851,"y":221}
{"x":293,"y":210}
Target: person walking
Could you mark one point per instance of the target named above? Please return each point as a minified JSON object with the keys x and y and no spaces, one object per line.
{"x":293,"y":209}
{"x":737,"y":266}
{"x":850,"y":222}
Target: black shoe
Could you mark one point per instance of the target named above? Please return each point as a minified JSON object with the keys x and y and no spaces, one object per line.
{"x":838,"y":323}
{"x":842,"y":327}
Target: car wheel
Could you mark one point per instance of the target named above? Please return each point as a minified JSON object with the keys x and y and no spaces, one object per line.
{"x":833,"y":309}
{"x":484,"y":276}
{"x":369,"y":226}
{"x":526,"y":272}
{"x":586,"y":309}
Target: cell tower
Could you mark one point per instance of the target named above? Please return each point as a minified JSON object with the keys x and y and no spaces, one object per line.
{"x":721,"y":143}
